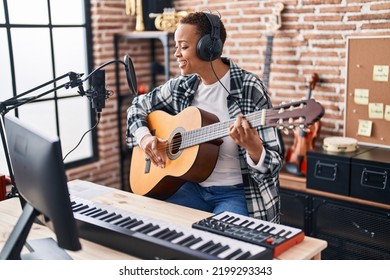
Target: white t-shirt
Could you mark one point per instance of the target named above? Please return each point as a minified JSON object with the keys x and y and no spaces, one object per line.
{"x":213,"y":98}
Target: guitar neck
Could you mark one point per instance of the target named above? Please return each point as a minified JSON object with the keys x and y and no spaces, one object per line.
{"x":218,"y":130}
{"x":267,"y":62}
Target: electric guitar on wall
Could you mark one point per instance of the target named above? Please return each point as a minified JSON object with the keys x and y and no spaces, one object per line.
{"x":193,"y":139}
{"x":274,"y":25}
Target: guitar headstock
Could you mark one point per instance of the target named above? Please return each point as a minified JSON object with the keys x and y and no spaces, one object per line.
{"x":296,"y":114}
{"x":313,"y":81}
{"x":276,"y":18}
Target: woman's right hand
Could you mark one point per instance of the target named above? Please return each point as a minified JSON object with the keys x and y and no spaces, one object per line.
{"x":154,"y":149}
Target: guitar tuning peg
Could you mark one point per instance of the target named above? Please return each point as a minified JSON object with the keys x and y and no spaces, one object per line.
{"x":286,"y":131}
{"x":305,"y":129}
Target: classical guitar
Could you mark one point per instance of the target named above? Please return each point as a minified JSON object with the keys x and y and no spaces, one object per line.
{"x":274,"y":25}
{"x":304,"y":139}
{"x":193,"y":139}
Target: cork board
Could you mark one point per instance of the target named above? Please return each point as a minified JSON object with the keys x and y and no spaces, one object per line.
{"x":367,"y":108}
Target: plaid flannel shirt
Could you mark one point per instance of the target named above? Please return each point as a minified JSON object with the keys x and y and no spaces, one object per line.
{"x":247,"y":94}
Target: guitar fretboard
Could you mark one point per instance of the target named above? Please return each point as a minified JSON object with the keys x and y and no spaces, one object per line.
{"x":218,"y":130}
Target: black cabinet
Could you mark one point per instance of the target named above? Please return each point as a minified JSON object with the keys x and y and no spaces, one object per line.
{"x":353,"y":231}
{"x":295,"y":209}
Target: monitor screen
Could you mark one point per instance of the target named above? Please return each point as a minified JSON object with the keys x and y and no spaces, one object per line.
{"x":41,"y":180}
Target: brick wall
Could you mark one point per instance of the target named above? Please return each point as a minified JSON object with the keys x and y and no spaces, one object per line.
{"x":312,"y":39}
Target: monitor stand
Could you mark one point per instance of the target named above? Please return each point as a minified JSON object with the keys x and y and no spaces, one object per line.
{"x":40,"y":249}
{"x":45,"y":249}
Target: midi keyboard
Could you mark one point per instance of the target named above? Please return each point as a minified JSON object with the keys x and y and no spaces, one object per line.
{"x":277,"y":237}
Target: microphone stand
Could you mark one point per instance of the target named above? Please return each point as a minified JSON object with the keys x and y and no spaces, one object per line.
{"x":75,"y":81}
{"x":16,"y":101}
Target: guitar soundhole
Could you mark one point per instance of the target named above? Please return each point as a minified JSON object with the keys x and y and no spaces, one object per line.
{"x":175,"y":143}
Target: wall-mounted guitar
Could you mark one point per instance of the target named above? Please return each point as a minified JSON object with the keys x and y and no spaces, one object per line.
{"x":274,"y":25}
{"x":304,"y":139}
{"x":193,"y":140}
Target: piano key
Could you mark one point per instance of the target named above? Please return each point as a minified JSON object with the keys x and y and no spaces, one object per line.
{"x":90,"y":209}
{"x":93,"y":212}
{"x":80,"y":207}
{"x":109,"y":215}
{"x":220,"y":250}
{"x":135,"y":224}
{"x":120,"y":222}
{"x":114,"y":218}
{"x":99,"y":214}
{"x":174,"y":236}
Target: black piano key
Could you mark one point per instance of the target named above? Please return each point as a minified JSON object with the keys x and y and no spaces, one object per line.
{"x":235,"y":220}
{"x":187,"y":239}
{"x":168,"y":235}
{"x":192,"y":242}
{"x":212,"y":248}
{"x":79,"y":208}
{"x":286,"y":234}
{"x":280,"y":232}
{"x":99,"y":214}
{"x":270,"y":229}
{"x":233,"y":254}
{"x":129,"y":222}
{"x":134,"y":224}
{"x":174,"y":235}
{"x":150,"y":229}
{"x":224,"y":217}
{"x":242,"y":224}
{"x":205,"y":246}
{"x":244,"y":256}
{"x":161,"y":233}
{"x":116,"y":217}
{"x":144,"y":227}
{"x":251,"y":223}
{"x":84,"y":212}
{"x":219,"y":250}
{"x":259,"y":227}
{"x":93,"y":212}
{"x":228,"y":220}
{"x":121,"y":221}
{"x":109,"y":215}
{"x":75,"y":205}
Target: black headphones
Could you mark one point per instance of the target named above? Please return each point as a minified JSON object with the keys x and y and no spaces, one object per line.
{"x":209,"y":47}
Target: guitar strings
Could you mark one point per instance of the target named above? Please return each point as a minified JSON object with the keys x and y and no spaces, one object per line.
{"x":193,"y":138}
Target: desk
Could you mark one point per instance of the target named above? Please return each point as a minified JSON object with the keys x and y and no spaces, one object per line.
{"x":309,"y":248}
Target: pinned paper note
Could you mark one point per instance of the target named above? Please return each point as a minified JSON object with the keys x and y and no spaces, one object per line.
{"x":387,"y":113}
{"x":380,"y":73}
{"x":365,"y":128}
{"x":375,"y":110}
{"x":361,"y":96}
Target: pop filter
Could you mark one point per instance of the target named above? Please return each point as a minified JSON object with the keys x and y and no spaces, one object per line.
{"x":130,"y":75}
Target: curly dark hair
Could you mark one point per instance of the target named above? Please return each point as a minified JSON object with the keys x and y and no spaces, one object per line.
{"x":200,"y":20}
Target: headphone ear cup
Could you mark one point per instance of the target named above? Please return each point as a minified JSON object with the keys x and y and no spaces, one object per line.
{"x":209,"y":49}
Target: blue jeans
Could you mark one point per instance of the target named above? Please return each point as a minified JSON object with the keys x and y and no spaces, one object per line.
{"x":214,"y":199}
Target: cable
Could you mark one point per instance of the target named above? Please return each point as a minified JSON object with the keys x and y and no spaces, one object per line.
{"x":216,"y":76}
{"x":82,"y":137}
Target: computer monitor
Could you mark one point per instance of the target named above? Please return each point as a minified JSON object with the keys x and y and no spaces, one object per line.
{"x":41,"y":180}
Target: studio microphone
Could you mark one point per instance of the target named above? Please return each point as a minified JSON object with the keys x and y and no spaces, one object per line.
{"x":98,"y":93}
{"x":130,"y":75}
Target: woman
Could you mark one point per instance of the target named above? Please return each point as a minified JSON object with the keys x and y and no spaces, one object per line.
{"x":245,"y":179}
